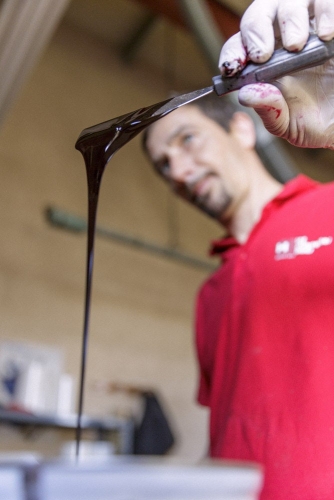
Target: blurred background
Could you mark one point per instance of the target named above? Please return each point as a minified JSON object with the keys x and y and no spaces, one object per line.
{"x":65,"y":66}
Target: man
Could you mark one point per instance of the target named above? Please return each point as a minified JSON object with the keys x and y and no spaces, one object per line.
{"x":265,"y":319}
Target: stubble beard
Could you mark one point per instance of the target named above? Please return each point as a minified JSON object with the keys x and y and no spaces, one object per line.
{"x":215,"y":208}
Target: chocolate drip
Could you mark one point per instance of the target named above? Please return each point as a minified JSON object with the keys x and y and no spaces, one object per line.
{"x":98,"y":144}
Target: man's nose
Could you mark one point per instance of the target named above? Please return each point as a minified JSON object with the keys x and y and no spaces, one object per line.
{"x":180,"y":168}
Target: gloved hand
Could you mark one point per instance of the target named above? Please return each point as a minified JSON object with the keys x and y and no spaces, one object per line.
{"x":299,"y":108}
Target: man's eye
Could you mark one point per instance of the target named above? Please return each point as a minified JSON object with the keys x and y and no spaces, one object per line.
{"x":163,"y":168}
{"x":187,"y":138}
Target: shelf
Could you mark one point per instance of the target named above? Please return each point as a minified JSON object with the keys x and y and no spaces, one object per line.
{"x":103,"y":427}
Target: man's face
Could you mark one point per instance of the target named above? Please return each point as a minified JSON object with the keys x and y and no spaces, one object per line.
{"x":198,"y":159}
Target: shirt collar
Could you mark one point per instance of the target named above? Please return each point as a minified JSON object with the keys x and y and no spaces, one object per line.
{"x":292,"y":188}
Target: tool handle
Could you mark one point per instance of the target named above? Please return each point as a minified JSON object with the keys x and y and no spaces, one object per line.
{"x":280,"y":64}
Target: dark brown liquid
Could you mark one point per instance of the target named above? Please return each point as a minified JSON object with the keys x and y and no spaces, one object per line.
{"x":97,"y":145}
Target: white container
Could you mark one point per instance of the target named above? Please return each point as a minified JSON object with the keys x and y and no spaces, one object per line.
{"x":123,"y":480}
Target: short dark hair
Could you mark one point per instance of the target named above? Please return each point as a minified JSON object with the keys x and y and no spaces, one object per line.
{"x":219,"y":109}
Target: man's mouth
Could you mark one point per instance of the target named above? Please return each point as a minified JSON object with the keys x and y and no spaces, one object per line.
{"x":198,"y":186}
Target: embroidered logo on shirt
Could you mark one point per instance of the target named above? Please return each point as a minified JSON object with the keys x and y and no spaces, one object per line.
{"x":289,"y":249}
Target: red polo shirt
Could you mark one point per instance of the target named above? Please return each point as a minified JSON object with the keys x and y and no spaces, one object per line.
{"x":265,"y":340}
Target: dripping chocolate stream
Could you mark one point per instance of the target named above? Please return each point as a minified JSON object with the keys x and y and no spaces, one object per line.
{"x":98,"y":144}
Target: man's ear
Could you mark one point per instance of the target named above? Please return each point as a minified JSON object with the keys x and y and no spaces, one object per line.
{"x":243,"y":129}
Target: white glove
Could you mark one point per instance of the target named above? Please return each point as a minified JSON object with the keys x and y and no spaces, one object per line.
{"x":299,"y":108}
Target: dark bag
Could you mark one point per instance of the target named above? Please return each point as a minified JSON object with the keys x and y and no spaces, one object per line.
{"x":153,"y":436}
